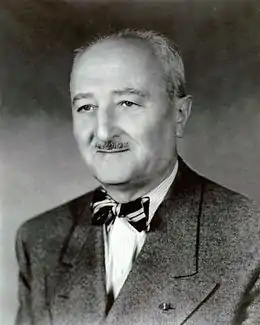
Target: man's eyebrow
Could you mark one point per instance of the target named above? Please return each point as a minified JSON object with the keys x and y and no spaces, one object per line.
{"x":119,"y":92}
{"x":81,"y":96}
{"x":132,"y":91}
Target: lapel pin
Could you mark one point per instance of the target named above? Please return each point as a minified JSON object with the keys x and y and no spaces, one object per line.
{"x":63,"y":296}
{"x":165,"y":306}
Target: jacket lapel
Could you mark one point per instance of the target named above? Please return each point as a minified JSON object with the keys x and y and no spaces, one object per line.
{"x":79,"y":289}
{"x":167,"y":270}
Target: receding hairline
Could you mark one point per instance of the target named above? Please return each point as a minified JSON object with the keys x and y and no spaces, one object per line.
{"x":143,"y":48}
{"x":145,"y":36}
{"x":135,"y":42}
{"x":162,"y":49}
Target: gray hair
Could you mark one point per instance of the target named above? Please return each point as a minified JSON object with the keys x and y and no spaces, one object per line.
{"x":162,"y":48}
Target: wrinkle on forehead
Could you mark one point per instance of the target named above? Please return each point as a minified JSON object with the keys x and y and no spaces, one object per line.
{"x":116,"y":51}
{"x":110,"y":59}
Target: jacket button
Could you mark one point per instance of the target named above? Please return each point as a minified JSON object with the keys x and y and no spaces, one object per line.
{"x":165,"y":306}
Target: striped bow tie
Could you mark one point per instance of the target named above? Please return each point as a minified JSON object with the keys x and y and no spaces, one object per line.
{"x":105,"y":210}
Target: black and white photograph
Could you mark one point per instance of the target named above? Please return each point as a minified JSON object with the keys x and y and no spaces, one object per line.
{"x":130,"y":162}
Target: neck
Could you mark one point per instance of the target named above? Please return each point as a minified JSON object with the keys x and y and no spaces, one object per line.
{"x":131,"y":191}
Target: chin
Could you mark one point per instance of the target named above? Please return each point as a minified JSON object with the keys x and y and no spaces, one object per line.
{"x":113,"y":182}
{"x":110,"y":178}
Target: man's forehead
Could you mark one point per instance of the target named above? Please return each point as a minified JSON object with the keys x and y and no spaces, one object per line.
{"x":115,"y":65}
{"x":119,"y":64}
{"x":114,"y":52}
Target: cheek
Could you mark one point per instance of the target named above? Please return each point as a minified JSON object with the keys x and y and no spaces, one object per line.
{"x":82,"y":128}
{"x":143,"y":137}
{"x":153,"y":138}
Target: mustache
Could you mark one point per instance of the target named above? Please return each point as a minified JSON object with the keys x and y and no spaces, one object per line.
{"x":112,"y":145}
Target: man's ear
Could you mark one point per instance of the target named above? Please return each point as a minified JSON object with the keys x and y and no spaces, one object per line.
{"x":182,"y":113}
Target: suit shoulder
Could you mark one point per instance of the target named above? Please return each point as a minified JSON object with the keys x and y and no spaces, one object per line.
{"x":220,"y":194}
{"x":212,"y":192}
{"x":55,"y":220}
{"x":235,"y":212}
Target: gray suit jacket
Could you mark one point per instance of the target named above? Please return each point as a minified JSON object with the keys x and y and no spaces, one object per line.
{"x":202,"y":256}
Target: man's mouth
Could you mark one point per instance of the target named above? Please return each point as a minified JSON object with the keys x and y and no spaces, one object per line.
{"x":112,"y":147}
{"x":112,"y":150}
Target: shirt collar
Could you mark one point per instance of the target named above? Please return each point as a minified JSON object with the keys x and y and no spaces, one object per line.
{"x":158,"y":194}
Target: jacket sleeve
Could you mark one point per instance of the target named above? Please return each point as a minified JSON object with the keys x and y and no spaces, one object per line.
{"x":24,"y":316}
{"x":248,"y":310}
{"x":252,"y":298}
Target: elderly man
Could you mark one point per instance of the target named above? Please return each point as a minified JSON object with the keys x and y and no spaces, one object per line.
{"x":156,"y":243}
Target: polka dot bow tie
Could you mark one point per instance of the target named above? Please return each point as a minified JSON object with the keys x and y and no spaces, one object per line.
{"x":105,"y":210}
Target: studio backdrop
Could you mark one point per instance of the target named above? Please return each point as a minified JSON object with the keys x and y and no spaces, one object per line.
{"x":40,"y":164}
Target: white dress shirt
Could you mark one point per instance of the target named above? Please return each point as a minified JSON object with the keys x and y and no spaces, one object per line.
{"x":123,"y":242}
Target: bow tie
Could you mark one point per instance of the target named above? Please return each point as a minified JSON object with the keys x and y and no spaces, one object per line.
{"x":105,"y":210}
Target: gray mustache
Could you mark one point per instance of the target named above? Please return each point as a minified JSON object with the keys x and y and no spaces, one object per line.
{"x":110,"y":145}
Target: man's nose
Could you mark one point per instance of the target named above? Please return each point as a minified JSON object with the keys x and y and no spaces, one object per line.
{"x":105,"y":124}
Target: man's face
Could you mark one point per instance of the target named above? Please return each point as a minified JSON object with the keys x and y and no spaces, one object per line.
{"x":122,"y":119}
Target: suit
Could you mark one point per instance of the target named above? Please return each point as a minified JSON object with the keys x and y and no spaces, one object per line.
{"x":201,"y":260}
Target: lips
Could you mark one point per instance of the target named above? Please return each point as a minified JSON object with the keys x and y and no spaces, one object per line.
{"x":112,"y":151}
{"x":112,"y":147}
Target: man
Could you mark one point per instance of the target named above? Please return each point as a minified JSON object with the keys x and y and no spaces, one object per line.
{"x":156,"y":243}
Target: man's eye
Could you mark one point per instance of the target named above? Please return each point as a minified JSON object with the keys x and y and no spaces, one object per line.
{"x":87,"y":108}
{"x":127,"y":103}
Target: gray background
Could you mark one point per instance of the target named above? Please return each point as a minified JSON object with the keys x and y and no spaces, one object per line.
{"x":40,"y":164}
